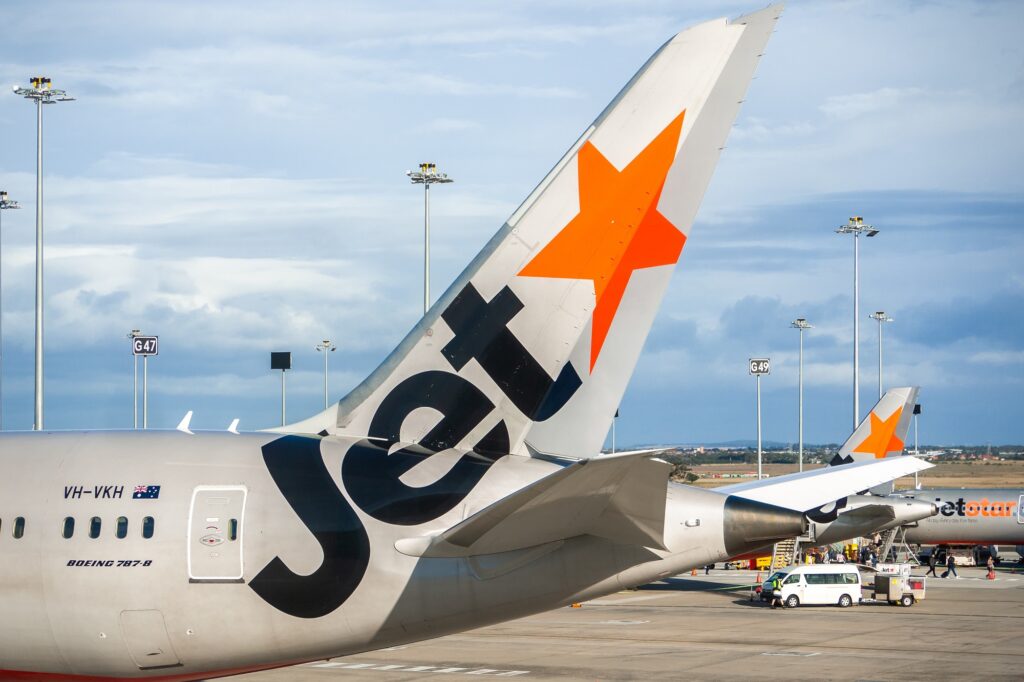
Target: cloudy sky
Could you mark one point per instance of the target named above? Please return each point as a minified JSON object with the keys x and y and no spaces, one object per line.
{"x":231,"y":178}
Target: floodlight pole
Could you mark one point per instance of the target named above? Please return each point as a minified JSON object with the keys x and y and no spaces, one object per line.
{"x":325,"y":347}
{"x":800,"y":324}
{"x":426,"y":247}
{"x":427,"y":175}
{"x":283,"y":421}
{"x":757,"y":378}
{"x":856,"y":227}
{"x":42,"y":93}
{"x":5,"y":204}
{"x":882,"y":318}
{"x":917,"y":413}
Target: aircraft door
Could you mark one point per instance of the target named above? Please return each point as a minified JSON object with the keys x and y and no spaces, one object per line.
{"x":1020,"y":509}
{"x":215,"y":530}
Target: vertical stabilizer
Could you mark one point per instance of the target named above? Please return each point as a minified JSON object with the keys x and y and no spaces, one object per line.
{"x":884,"y":431}
{"x":538,"y":337}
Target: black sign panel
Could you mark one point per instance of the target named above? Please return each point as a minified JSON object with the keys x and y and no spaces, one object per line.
{"x":145,"y":345}
{"x":280,"y":360}
{"x":760,"y":366}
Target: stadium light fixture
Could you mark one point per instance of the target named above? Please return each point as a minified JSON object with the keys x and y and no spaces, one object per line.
{"x":856,"y":226}
{"x":427,"y":175}
{"x":41,"y":91}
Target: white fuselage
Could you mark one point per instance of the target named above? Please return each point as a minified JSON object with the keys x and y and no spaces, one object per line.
{"x":259,"y":555}
{"x":970,"y":516}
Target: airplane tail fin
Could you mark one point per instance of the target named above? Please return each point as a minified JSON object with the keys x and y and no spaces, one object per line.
{"x":542,"y":330}
{"x":883,"y":432}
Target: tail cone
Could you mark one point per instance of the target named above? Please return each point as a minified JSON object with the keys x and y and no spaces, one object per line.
{"x":749,"y":525}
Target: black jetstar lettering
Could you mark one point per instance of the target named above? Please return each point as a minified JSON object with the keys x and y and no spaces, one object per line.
{"x":829,"y":512}
{"x":372,"y":475}
{"x":298,"y":469}
{"x":481,"y":333}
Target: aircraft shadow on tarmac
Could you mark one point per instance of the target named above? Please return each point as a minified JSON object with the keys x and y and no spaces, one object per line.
{"x":697,"y":585}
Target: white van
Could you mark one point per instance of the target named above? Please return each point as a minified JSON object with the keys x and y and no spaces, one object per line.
{"x":816,"y":584}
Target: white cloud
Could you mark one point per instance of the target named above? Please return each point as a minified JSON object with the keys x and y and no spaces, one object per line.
{"x":451,"y":125}
{"x":1000,"y":358}
{"x":845,"y":107}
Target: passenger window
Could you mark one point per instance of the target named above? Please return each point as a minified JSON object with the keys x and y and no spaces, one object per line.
{"x":94,"y":527}
{"x":122,"y":528}
{"x":19,"y":526}
{"x":815,"y":578}
{"x":791,"y":580}
{"x":233,"y":530}
{"x":147,"y":527}
{"x":69,"y":527}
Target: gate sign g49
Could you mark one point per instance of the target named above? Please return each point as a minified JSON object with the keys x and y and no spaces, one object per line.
{"x":760,"y":366}
{"x":145,"y":345}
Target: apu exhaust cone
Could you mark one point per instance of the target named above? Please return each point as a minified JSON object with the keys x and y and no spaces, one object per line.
{"x":749,"y":525}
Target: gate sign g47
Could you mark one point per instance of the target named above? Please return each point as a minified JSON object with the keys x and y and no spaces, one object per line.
{"x":760,"y":366}
{"x":145,"y":345}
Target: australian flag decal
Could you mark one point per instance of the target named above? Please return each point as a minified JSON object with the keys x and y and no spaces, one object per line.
{"x":146,"y":492}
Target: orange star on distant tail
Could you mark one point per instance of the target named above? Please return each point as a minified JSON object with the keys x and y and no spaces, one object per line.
{"x":882,"y":438}
{"x":618,"y":228}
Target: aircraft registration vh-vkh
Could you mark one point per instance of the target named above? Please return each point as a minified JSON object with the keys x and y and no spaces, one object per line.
{"x":442,"y":493}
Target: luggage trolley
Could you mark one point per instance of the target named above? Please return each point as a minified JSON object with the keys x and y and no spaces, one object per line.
{"x":895,"y":585}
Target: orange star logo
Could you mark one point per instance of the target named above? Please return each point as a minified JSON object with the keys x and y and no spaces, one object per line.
{"x":618,"y":228}
{"x":882,"y":438}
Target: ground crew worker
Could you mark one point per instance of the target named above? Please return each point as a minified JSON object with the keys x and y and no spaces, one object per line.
{"x":933,"y":560}
{"x":776,"y":585}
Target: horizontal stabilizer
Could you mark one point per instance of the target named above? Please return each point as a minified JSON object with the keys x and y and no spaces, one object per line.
{"x":618,"y":497}
{"x":809,"y":489}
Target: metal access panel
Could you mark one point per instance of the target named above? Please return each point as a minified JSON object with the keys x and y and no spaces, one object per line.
{"x":145,"y":635}
{"x":215,"y":531}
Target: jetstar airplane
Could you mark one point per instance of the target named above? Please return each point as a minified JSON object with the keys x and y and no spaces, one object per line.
{"x":969,"y":516}
{"x":944,"y":516}
{"x":961,"y":516}
{"x":880,"y":435}
{"x":418,"y":505}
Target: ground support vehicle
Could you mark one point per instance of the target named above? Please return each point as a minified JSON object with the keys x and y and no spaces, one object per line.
{"x":905,"y":590}
{"x":826,"y":584}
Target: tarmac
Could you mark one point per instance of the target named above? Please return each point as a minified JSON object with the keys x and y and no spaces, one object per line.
{"x":706,"y":628}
